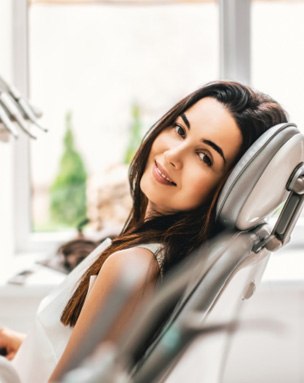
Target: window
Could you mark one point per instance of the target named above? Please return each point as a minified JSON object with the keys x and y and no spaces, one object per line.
{"x":278,"y":59}
{"x":109,"y":72}
{"x":277,"y":50}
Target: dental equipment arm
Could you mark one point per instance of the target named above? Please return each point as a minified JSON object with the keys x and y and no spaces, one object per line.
{"x":16,"y":112}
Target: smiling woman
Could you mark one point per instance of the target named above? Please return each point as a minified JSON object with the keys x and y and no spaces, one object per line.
{"x":175,"y":178}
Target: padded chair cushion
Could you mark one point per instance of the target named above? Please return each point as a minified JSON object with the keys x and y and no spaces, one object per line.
{"x":257,"y":184}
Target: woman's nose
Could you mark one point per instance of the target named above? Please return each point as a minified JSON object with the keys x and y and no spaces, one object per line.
{"x":174,"y":156}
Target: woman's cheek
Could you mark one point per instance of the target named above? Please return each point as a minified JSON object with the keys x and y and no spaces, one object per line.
{"x":201,"y":190}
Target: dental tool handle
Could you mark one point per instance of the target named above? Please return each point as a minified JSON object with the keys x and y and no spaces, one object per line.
{"x":6,"y":122}
{"x":8,"y":104}
{"x":29,"y":113}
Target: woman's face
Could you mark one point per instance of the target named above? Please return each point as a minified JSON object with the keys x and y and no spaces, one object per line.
{"x":188,"y":159}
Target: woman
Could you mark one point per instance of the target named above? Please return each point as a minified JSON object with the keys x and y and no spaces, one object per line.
{"x":175,"y":180}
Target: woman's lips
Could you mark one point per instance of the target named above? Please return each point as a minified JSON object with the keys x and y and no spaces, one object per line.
{"x":161,"y":176}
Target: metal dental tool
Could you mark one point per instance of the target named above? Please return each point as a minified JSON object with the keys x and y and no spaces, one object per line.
{"x":8,"y":103}
{"x":16,"y":111}
{"x":7,"y":123}
{"x":24,"y":106}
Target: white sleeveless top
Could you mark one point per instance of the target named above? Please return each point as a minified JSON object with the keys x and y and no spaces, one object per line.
{"x":42,"y":348}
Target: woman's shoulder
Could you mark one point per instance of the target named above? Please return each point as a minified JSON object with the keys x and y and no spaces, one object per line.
{"x":131,"y":254}
{"x":134,"y":261}
{"x":140,"y":255}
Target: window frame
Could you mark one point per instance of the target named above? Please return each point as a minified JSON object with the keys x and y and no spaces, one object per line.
{"x":21,"y":147}
{"x":235,"y":63}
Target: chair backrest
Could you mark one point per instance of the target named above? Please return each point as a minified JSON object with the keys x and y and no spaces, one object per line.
{"x":258,"y":183}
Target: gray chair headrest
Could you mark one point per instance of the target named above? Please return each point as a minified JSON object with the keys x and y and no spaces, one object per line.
{"x":257,"y":184}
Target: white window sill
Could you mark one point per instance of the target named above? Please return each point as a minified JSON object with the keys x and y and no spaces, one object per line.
{"x":39,"y":283}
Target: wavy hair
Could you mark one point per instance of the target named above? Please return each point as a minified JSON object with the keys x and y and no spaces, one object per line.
{"x":182,"y":232}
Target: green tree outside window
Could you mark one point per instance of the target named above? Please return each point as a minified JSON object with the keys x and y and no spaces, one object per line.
{"x":68,"y":191}
{"x":135,"y":134}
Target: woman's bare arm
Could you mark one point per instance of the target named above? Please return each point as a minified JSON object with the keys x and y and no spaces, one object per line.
{"x":105,"y":281}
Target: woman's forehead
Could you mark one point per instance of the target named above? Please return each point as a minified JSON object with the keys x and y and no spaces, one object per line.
{"x":210,"y":119}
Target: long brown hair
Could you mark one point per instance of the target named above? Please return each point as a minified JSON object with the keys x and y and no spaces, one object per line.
{"x":182,"y":232}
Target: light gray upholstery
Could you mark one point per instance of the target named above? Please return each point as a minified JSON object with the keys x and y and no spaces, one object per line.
{"x":257,"y":184}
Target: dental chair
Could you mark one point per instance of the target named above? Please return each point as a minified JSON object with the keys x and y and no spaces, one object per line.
{"x":207,"y":291}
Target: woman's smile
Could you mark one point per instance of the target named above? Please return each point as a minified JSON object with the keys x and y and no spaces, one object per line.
{"x":161,"y":175}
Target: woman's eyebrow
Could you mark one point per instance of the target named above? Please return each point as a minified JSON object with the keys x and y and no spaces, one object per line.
{"x":207,"y":142}
{"x":185,"y":119}
{"x":215,"y":147}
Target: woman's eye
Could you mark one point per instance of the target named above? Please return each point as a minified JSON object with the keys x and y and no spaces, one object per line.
{"x":206,"y":159}
{"x":180,"y":130}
